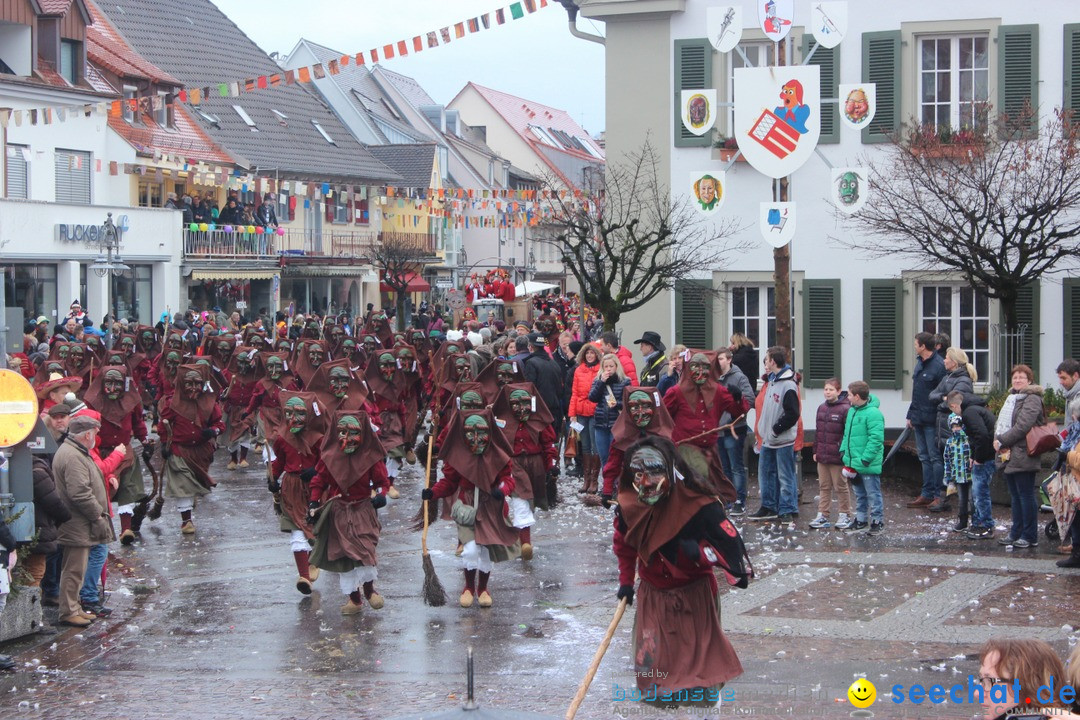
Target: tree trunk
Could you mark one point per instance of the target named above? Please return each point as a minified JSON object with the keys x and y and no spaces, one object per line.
{"x":399,"y":303}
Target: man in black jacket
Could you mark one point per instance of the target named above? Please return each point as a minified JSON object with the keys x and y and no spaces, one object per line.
{"x":544,"y":373}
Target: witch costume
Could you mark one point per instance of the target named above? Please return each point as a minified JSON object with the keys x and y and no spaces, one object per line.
{"x":672,"y":530}
{"x":342,"y":506}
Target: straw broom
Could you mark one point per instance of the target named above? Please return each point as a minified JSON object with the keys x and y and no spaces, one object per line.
{"x":434,"y":594}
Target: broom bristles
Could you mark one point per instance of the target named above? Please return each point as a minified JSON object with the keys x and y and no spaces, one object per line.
{"x":434,"y":595}
{"x":418,"y":518}
{"x":155,"y":512}
{"x":139,"y":513}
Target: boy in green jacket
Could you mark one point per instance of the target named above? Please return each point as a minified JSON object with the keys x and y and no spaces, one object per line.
{"x":863,"y":451}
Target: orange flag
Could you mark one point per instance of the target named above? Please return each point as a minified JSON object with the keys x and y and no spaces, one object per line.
{"x":402,"y":49}
{"x":304,"y":75}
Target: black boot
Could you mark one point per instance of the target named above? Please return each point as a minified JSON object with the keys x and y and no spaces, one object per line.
{"x":1073,"y":561}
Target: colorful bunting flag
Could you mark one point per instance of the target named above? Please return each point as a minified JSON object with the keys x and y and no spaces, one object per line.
{"x":318,"y":71}
{"x":459,"y":30}
{"x":445,"y":33}
{"x":516,"y":12}
{"x":432,"y":39}
{"x":417,"y":44}
{"x":500,"y":16}
{"x":402,"y":49}
{"x":530,"y":5}
{"x":388,"y":52}
{"x":359,"y":58}
{"x":486,"y":20}
{"x":474,"y":25}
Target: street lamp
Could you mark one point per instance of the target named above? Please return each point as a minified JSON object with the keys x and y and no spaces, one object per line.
{"x":107,"y":262}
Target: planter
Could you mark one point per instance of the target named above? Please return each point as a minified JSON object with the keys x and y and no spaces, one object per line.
{"x":725,"y":154}
{"x":959,"y":152}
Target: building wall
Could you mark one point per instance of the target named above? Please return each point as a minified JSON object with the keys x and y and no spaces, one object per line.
{"x":638,"y":100}
{"x":476,"y":111}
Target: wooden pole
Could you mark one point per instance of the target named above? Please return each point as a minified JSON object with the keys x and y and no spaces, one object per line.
{"x":600,"y":651}
{"x":782,"y":255}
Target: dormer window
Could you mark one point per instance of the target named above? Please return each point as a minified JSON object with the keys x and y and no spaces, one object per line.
{"x":70,"y":60}
{"x":162,"y":114}
{"x":131,"y":95}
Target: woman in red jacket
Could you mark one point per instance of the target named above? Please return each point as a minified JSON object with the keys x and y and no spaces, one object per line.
{"x":582,"y":411}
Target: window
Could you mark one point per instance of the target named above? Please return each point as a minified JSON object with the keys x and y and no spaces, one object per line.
{"x":73,"y":177}
{"x":70,"y":59}
{"x":544,"y":136}
{"x":151,"y":194}
{"x":282,"y":117}
{"x":390,"y":109}
{"x":245,"y":117}
{"x":361,"y":215}
{"x":954,"y":79}
{"x":17,"y":180}
{"x":760,"y":54}
{"x":322,"y":132}
{"x":283,"y":203}
{"x":131,"y":296}
{"x":162,"y":111}
{"x":341,"y":206}
{"x":212,"y":119}
{"x":589,"y":148}
{"x":753,"y":313}
{"x":32,"y":288}
{"x":130,"y":99}
{"x":962,"y":313}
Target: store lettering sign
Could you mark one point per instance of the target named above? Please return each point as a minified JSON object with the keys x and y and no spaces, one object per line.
{"x":89,"y":235}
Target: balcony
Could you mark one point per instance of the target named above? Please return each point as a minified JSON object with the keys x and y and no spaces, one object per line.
{"x":293,"y":243}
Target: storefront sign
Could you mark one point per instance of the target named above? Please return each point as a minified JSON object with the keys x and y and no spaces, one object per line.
{"x":444,"y":282}
{"x":89,"y":235}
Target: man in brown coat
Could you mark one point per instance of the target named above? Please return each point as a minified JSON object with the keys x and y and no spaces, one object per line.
{"x":82,"y":487}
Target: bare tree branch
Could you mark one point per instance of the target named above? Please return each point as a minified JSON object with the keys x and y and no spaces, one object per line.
{"x":629,"y":241}
{"x":399,"y":256}
{"x":1002,"y":209}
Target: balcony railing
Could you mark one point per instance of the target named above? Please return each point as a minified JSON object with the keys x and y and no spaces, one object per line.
{"x":220,"y":245}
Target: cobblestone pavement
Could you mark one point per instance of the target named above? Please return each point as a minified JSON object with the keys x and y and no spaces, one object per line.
{"x":211,"y":625}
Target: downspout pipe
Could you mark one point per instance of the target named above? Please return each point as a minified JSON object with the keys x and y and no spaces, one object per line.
{"x":572,"y":11}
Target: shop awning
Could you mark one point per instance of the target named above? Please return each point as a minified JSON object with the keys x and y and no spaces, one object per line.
{"x":363,"y":273}
{"x":416,"y":284}
{"x":234,"y":274}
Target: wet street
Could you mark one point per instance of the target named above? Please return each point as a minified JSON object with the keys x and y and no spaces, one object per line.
{"x":211,"y":625}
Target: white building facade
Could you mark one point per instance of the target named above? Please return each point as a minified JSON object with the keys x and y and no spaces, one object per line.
{"x":853,"y":317}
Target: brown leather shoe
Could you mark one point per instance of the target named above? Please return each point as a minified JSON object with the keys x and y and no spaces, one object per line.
{"x":79,"y":620}
{"x":920,"y":502}
{"x":939,"y":505}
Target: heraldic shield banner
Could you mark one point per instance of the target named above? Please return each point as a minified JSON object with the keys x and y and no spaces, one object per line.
{"x":777,"y":117}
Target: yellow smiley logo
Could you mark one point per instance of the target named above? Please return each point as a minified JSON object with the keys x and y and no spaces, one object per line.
{"x":862,"y":693}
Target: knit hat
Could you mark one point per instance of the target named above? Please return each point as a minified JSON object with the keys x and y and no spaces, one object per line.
{"x":955,"y":420}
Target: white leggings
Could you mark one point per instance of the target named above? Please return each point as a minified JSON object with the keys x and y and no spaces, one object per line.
{"x":298,"y":541}
{"x":476,"y":557}
{"x":521,"y":515}
{"x":355,"y":578}
{"x":392,"y":467}
{"x":128,"y":509}
{"x":185,"y":504}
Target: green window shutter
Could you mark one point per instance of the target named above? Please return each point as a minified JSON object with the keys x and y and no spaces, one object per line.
{"x":693,"y":71}
{"x":828,"y":60}
{"x":821,"y":331}
{"x":881,"y":65}
{"x":1072,"y":317}
{"x":1018,"y":70}
{"x":883,"y":316}
{"x":694,"y":313}
{"x":1027,"y":313}
{"x":1071,"y":101}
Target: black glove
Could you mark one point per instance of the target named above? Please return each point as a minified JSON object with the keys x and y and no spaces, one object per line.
{"x":626,"y":591}
{"x":553,"y":473}
{"x":378,"y":501}
{"x":690,"y":549}
{"x":273,"y":485}
{"x":312,"y":509}
{"x":307,"y":474}
{"x":427,"y":494}
{"x":606,"y":500}
{"x":165,"y":452}
{"x":497,"y":494}
{"x":736,"y":395}
{"x":208,"y":433}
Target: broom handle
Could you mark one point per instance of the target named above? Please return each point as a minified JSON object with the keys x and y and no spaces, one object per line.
{"x":427,"y":484}
{"x":600,"y":651}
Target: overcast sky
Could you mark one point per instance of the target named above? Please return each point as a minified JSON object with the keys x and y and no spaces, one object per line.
{"x":535,"y":57}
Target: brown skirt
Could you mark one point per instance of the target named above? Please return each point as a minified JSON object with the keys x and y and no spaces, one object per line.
{"x":346,"y":535}
{"x":294,"y":500}
{"x":391,"y":433}
{"x":678,"y":641}
{"x":530,"y":479}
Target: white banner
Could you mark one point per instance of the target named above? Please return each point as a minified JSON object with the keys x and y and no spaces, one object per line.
{"x":777,"y":223}
{"x":708,"y":189}
{"x":724,"y":26}
{"x":849,"y":189}
{"x":699,"y":110}
{"x":777,"y":116}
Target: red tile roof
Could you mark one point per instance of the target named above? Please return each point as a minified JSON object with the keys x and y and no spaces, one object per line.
{"x":54,"y":7}
{"x":186,"y":139}
{"x":521,"y":113}
{"x":108,"y":48}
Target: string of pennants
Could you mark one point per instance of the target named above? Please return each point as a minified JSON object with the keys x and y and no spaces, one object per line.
{"x":195,"y":96}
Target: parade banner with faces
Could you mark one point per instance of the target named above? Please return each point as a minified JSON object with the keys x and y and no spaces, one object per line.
{"x":849,"y":189}
{"x":699,"y":110}
{"x":858,"y":101}
{"x":724,"y":26}
{"x":708,"y":188}
{"x":778,"y":117}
